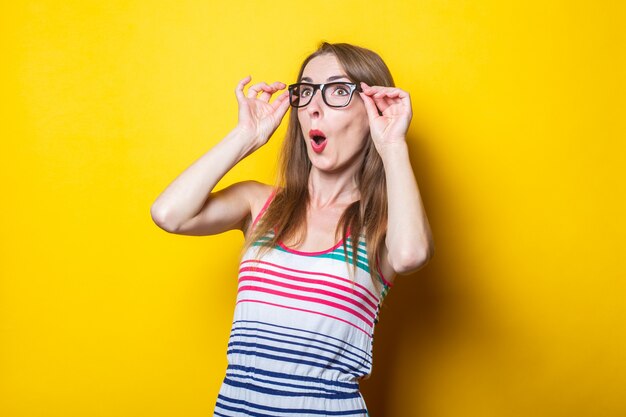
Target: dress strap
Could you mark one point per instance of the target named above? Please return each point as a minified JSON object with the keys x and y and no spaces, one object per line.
{"x":263,"y":209}
{"x":380,"y":273}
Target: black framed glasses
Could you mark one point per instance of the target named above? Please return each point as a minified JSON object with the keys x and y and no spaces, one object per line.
{"x":336,"y":94}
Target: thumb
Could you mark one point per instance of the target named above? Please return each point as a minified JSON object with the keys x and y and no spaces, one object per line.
{"x":239,"y":89}
{"x":281,"y":105}
{"x":370,"y":106}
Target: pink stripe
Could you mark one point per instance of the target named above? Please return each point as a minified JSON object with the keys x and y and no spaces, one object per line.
{"x":322,"y":274}
{"x":303,"y":298}
{"x":305,"y":310}
{"x":298,"y":252}
{"x":308,"y":289}
{"x":311,"y":281}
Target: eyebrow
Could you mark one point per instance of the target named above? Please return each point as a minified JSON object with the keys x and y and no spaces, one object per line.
{"x":334,"y":77}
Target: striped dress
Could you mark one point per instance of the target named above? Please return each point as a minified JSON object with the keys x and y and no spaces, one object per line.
{"x":302,"y":334}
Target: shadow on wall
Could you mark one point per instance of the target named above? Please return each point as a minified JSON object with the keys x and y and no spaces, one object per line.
{"x":410,"y":322}
{"x":421,"y":312}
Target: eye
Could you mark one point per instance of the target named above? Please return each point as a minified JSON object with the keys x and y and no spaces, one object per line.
{"x":305,"y":91}
{"x":340,"y":90}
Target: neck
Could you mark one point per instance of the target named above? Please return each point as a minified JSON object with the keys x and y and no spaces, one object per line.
{"x":328,"y":189}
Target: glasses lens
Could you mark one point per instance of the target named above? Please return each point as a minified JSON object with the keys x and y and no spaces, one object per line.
{"x":300,"y":95}
{"x":338,"y":94}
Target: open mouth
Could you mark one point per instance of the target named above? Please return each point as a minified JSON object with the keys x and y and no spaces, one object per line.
{"x":317,"y":135}
{"x":318,"y":140}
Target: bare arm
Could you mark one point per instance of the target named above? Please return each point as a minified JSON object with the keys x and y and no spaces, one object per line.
{"x":188,"y":205}
{"x":409,"y":243}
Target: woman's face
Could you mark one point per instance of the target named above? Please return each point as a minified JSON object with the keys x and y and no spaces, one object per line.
{"x":346,"y":129}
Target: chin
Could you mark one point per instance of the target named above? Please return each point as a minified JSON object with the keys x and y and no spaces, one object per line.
{"x":329,"y":161}
{"x":329,"y":167}
{"x":321,"y":163}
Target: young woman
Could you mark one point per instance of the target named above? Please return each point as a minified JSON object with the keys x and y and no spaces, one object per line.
{"x":323,"y":247}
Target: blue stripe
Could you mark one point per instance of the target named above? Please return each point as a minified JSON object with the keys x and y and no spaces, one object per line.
{"x":241,"y":410}
{"x":297,"y":411}
{"x":305,"y":331}
{"x":281,"y":393}
{"x":309,"y":388}
{"x":284,"y":342}
{"x":336,"y":350}
{"x":292,"y":360}
{"x":333,"y":383}
{"x":324,"y":360}
{"x":287,"y":342}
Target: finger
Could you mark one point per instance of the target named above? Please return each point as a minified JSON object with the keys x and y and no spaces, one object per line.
{"x":279,"y":85}
{"x":254,"y":90}
{"x":268,"y":91}
{"x":281,"y":104}
{"x":394,"y":96}
{"x":380,"y":91}
{"x":281,"y":101}
{"x":394,"y":106}
{"x":278,"y":101}
{"x":274,"y":86}
{"x":400,"y":99}
{"x":377,"y":92}
{"x":390,"y":92}
{"x":265,"y":96}
{"x":391,"y":101}
{"x":370,"y":106}
{"x":382,"y":104}
{"x":371,"y":89}
{"x":240,"y":86}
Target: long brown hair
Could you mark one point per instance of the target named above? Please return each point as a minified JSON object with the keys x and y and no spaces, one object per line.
{"x":286,"y":215}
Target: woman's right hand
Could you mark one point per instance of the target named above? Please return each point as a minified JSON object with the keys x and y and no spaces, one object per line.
{"x":257,"y":116}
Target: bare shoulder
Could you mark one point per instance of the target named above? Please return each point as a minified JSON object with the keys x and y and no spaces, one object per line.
{"x":258,"y":194}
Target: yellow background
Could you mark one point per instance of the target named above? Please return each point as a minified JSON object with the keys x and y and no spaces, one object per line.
{"x":517,"y":139}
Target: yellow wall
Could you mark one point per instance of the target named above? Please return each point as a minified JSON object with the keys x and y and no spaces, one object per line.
{"x":516,"y":145}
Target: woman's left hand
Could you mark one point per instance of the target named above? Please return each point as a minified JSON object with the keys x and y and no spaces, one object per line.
{"x":395,"y":105}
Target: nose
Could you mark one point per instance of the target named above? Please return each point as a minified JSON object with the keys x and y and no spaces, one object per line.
{"x":314,"y":107}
